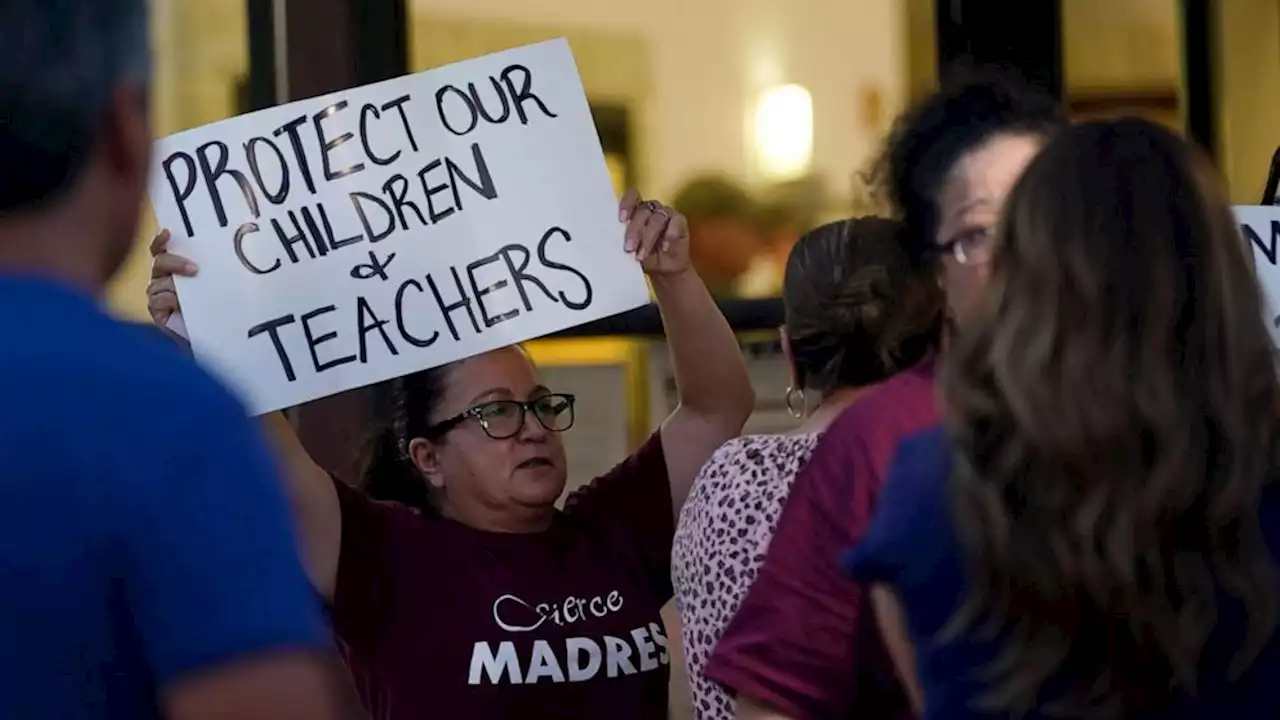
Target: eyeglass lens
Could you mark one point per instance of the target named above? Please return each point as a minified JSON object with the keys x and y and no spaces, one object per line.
{"x":502,"y":419}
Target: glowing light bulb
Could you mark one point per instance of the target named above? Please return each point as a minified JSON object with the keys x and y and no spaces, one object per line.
{"x":784,"y":131}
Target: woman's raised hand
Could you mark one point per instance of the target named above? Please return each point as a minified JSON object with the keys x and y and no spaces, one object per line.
{"x":162,"y":296}
{"x":657,"y":235}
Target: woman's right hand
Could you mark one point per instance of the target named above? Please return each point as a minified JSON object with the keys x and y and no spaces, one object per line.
{"x":162,"y":296}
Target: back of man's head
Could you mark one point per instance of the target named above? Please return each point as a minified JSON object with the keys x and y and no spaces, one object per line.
{"x":73,"y":130}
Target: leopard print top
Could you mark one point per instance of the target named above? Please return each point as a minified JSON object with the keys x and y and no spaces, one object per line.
{"x":720,"y":542}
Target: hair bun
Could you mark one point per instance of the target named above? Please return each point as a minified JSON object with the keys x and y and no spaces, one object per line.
{"x":843,"y":291}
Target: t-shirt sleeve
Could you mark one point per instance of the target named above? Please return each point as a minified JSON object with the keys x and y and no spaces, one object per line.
{"x":210,"y":563}
{"x":362,"y":587}
{"x":791,"y":645}
{"x":635,"y":497}
{"x":911,"y":517}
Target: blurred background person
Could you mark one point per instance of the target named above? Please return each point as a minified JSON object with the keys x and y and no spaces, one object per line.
{"x":804,"y":643}
{"x":724,"y":231}
{"x":1095,"y":532}
{"x":784,"y":212}
{"x":857,"y":311}
{"x":148,"y":569}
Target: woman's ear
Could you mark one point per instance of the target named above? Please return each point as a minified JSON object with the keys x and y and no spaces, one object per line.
{"x":426,"y":457}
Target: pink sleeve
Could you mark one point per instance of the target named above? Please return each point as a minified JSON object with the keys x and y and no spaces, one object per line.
{"x":792,"y":644}
{"x":634,"y":498}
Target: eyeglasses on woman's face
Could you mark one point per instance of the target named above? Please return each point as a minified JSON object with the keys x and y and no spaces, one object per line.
{"x":502,"y":419}
{"x":971,"y":247}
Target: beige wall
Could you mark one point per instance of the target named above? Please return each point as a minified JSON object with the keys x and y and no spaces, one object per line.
{"x":1136,"y":45}
{"x":705,"y":61}
{"x":921,"y":39}
{"x":1121,"y":44}
{"x":1123,"y":57}
{"x":1248,"y":87}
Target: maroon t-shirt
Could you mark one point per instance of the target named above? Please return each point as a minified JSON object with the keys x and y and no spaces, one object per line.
{"x":803,"y":642}
{"x":438,"y":620}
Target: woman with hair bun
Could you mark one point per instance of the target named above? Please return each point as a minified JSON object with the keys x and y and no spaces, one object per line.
{"x":857,"y":312}
{"x":804,"y":643}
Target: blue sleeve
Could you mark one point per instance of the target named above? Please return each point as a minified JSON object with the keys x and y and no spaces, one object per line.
{"x":912,"y":520}
{"x":211,"y":567}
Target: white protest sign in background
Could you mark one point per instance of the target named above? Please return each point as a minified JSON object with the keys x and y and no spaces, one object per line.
{"x":1260,"y":226}
{"x":374,"y":232}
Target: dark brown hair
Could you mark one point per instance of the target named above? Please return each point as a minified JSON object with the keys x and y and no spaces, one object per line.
{"x":856,"y":309}
{"x":974,"y":104}
{"x":1115,"y":423}
{"x":409,"y":406}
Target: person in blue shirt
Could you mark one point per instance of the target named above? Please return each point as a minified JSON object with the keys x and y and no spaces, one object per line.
{"x":147,"y":568}
{"x":1095,"y":532}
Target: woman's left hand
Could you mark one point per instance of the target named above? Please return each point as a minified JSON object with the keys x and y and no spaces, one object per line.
{"x":657,"y":235}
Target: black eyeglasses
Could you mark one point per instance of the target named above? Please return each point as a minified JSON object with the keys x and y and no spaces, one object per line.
{"x":502,"y":419}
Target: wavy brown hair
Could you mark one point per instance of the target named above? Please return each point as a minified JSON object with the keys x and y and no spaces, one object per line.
{"x":1114,"y":412}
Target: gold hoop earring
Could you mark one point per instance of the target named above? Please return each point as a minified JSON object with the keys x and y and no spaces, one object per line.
{"x":791,"y":401}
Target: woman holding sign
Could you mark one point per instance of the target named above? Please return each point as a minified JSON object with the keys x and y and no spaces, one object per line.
{"x":483,"y":600}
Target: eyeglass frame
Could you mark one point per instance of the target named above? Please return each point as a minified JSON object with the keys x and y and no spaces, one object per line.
{"x":443,"y":427}
{"x":955,"y":248}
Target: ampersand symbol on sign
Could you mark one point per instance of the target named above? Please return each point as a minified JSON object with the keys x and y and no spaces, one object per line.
{"x":373,"y":268}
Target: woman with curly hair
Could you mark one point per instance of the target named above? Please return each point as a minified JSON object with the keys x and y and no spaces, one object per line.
{"x":1095,"y":532}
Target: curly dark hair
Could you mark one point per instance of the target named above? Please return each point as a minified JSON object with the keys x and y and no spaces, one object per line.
{"x":857,"y":311}
{"x":1114,"y":415}
{"x":974,"y":104}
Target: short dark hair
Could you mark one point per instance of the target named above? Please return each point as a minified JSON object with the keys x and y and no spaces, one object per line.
{"x":857,"y":310}
{"x":60,"y":61}
{"x":973,"y":104}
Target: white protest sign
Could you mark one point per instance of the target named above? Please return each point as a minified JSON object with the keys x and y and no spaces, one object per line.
{"x":1260,"y":226}
{"x":378,"y":231}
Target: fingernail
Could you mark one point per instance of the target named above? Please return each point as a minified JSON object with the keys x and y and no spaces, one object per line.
{"x":623,"y":215}
{"x":640,"y":255}
{"x":190,"y":267}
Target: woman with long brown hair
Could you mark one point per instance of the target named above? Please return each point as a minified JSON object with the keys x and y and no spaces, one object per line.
{"x":1095,"y":532}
